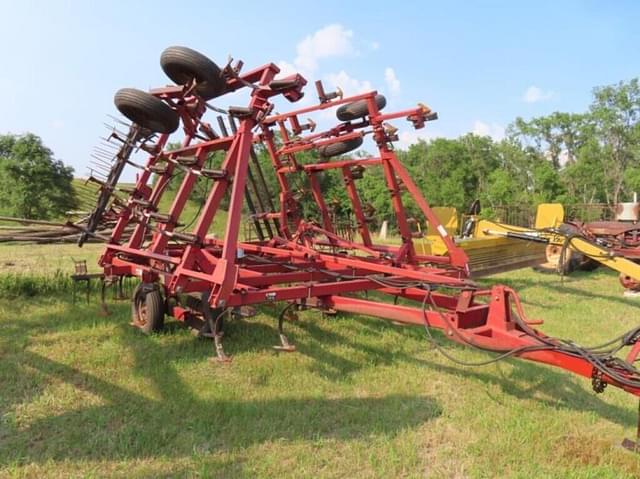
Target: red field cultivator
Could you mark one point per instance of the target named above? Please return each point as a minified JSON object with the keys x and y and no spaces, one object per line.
{"x":299,"y":260}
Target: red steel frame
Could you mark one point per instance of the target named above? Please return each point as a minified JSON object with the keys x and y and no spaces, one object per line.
{"x":308,"y":263}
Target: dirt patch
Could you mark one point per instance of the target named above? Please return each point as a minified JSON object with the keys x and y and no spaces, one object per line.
{"x":583,"y":449}
{"x":597,"y":451}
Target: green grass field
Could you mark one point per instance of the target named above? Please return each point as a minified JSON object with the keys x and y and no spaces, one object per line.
{"x":82,"y":395}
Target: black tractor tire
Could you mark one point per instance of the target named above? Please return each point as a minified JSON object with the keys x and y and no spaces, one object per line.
{"x":134,"y":304}
{"x":340,"y":148}
{"x":183,"y":65}
{"x":358,"y":109}
{"x":148,"y":308}
{"x":588,"y":264}
{"x":146,"y":110}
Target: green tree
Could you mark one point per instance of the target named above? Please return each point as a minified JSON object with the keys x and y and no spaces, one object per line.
{"x":585,"y":180}
{"x":450,"y":171}
{"x":592,"y":151}
{"x":32,"y":183}
{"x":546,"y":185}
{"x":616,"y":114}
{"x":559,"y":135}
{"x":502,"y":189}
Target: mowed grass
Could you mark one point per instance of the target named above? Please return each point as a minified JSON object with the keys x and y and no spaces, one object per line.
{"x":82,"y":395}
{"x":39,"y":260}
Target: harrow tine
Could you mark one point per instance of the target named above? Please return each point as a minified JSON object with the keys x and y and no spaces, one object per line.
{"x":100,"y":176}
{"x":105,"y":142}
{"x":115,"y":137}
{"x":113,"y":129}
{"x":104,"y":171}
{"x":107,"y":155}
{"x":100,"y":149}
{"x":100,"y":168}
{"x":96,"y":173}
{"x":101,"y":163}
{"x":106,"y":161}
{"x":118,"y":120}
{"x":105,"y":151}
{"x":114,"y":158}
{"x":124,"y":141}
{"x":121,"y":137}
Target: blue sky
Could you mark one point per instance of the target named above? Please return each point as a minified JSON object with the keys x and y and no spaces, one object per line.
{"x":479,"y":64}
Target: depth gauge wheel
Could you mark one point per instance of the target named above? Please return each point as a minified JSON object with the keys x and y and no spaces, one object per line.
{"x":358,"y":109}
{"x":183,"y":65}
{"x":340,"y":148}
{"x":146,"y":110}
{"x":147,"y":308}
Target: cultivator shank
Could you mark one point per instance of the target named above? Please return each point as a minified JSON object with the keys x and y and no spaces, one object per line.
{"x":298,"y":258}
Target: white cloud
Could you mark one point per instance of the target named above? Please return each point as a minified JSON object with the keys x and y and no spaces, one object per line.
{"x":409,"y":137}
{"x":494,"y":130}
{"x":286,"y":68}
{"x":535,"y":94}
{"x":375,"y":45}
{"x":331,"y":41}
{"x":392,"y":81}
{"x":350,"y":86}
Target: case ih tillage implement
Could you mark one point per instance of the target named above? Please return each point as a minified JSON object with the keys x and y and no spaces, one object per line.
{"x":196,"y":277}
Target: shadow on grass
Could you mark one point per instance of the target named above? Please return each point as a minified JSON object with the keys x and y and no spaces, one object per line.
{"x":131,"y":425}
{"x":170,"y":420}
{"x":561,"y":389}
{"x":544,"y":384}
{"x":559,"y":286}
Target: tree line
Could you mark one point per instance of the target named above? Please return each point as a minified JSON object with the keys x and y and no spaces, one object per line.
{"x":571,"y":158}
